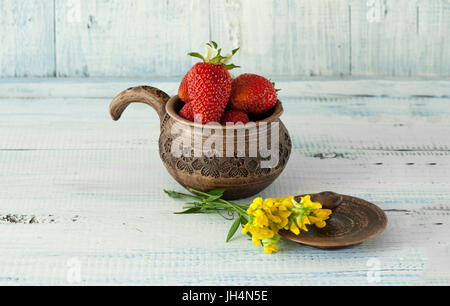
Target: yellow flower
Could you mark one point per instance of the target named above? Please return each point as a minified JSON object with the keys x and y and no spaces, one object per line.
{"x":323,"y":214}
{"x":268,"y":203}
{"x":302,"y":222}
{"x":276,"y":219}
{"x":257,"y":232}
{"x":314,"y":219}
{"x":306,"y":213}
{"x":271,"y":248}
{"x":294,"y":228}
{"x":264,"y":233}
{"x":261,"y":219}
{"x":257,"y":203}
{"x":307,"y":203}
{"x":320,"y":224}
{"x":284,"y":219}
{"x":256,"y":241}
{"x":286,"y":202}
{"x":270,"y":245}
{"x":267,"y":217}
{"x":282,"y":199}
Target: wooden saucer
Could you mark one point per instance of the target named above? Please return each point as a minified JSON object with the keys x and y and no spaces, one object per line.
{"x":353,"y":221}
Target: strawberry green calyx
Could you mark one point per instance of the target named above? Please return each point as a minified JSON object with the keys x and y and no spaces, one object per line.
{"x":276,"y":89}
{"x":213,"y":56}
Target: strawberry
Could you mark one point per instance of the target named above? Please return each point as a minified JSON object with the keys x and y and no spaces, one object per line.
{"x":183,"y":90}
{"x":186,"y":112}
{"x":209,"y":84}
{"x":253,"y":94}
{"x":209,"y":91}
{"x":234,"y":116}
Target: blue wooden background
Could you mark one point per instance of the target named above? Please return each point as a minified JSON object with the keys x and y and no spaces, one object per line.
{"x":292,"y":38}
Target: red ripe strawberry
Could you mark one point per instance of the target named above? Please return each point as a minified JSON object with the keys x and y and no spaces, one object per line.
{"x":183,"y":90}
{"x":209,"y":88}
{"x":186,"y":112}
{"x":234,"y":116}
{"x":253,"y":94}
{"x":209,"y":84}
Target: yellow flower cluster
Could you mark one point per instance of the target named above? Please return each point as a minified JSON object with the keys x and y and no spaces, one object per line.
{"x":267,"y":217}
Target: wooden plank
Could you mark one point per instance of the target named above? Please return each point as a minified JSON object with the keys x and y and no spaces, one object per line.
{"x":289,"y":38}
{"x":398,"y":143}
{"x":286,"y":38}
{"x":129,"y":38}
{"x":433,"y":32}
{"x":402,"y":38}
{"x":101,"y":183}
{"x":385,"y":44}
{"x":307,"y":87}
{"x":27,"y":38}
{"x":130,"y":248}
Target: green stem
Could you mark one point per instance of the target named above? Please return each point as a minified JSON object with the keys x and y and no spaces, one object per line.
{"x":236,"y":206}
{"x":211,"y":208}
{"x":202,"y":199}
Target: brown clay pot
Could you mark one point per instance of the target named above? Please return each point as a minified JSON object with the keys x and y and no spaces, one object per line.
{"x":241,"y":177}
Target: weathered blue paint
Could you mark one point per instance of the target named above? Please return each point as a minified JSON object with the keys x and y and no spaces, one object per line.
{"x":61,"y":155}
{"x":141,"y":38}
{"x":27,"y":38}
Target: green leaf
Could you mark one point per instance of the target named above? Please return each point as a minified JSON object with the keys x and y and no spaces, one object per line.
{"x":173,"y":194}
{"x":277,"y":90}
{"x":193,"y":210}
{"x":212,"y":198}
{"x":232,"y":66}
{"x":214,"y":44}
{"x":244,"y":220}
{"x":235,"y":51}
{"x":195,"y":54}
{"x":216,"y":192}
{"x":214,"y":195}
{"x":233,"y":229}
{"x":194,"y":203}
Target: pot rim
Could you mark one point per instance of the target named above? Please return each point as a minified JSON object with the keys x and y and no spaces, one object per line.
{"x":171,"y":107}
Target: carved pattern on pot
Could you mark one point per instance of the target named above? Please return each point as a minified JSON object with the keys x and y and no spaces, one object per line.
{"x":241,"y":176}
{"x":226,"y":167}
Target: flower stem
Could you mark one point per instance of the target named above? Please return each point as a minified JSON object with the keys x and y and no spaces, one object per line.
{"x":237,"y":207}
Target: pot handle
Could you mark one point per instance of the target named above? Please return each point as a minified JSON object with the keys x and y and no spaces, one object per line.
{"x":152,"y":96}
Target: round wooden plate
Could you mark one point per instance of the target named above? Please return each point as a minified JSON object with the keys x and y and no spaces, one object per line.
{"x":353,"y":221}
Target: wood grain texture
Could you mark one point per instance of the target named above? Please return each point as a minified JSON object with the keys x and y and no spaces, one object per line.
{"x":101,"y":182}
{"x":27,"y":38}
{"x":294,"y":38}
{"x":433,"y":32}
{"x":124,"y":38}
{"x":408,"y":38}
{"x":286,"y":38}
{"x":306,"y":87}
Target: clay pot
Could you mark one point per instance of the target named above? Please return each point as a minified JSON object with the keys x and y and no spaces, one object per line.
{"x":241,"y":177}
